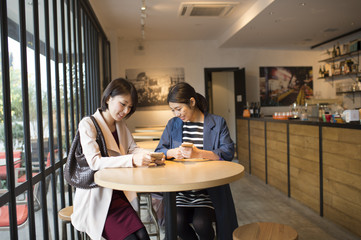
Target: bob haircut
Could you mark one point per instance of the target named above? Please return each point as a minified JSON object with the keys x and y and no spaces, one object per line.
{"x":120,"y":86}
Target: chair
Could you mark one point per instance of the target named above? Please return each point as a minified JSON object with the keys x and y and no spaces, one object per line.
{"x":21,"y":214}
{"x":265,"y":231}
{"x":145,"y":203}
{"x":17,"y":163}
{"x":64,"y":215}
{"x":37,"y":194}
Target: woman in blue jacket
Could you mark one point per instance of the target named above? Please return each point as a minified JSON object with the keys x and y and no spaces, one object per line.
{"x":211,"y":140}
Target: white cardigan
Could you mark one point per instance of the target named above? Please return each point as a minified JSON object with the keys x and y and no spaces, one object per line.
{"x":90,"y":207}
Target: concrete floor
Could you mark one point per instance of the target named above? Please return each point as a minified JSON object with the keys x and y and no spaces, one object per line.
{"x":257,"y":202}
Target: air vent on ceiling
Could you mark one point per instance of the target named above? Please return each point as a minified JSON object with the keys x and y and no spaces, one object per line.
{"x":206,"y":9}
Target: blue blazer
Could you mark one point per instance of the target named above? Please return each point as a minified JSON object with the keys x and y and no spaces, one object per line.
{"x":216,"y":138}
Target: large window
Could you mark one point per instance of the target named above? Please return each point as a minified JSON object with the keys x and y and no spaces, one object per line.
{"x":54,"y":58}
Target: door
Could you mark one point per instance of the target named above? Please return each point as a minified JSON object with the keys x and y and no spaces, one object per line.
{"x":240,"y":91}
{"x":235,"y":93}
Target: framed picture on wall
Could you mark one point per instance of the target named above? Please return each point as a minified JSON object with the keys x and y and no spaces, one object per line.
{"x":153,"y":85}
{"x":283,"y":86}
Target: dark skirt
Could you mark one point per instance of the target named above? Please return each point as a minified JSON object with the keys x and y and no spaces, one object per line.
{"x":122,"y":220}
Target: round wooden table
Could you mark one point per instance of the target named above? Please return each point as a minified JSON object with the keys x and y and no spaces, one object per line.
{"x":174,"y":176}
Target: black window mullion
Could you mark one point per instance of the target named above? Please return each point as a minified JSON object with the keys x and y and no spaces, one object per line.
{"x":97,"y":69}
{"x":87,"y":65}
{"x":94,"y":79}
{"x":66,"y":114}
{"x":26,"y":120}
{"x":70,"y":64}
{"x":80,"y":51}
{"x":106,"y":76}
{"x":92,"y":65}
{"x":66,"y":124}
{"x":58,"y":105}
{"x":76,"y":52}
{"x":50,"y":120}
{"x":7,"y":120}
{"x":44,"y":208}
{"x":109,"y":61}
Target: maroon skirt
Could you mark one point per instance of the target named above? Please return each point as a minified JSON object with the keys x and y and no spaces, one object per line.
{"x":122,"y":220}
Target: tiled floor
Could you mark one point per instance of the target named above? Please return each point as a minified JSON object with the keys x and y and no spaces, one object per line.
{"x":257,"y":202}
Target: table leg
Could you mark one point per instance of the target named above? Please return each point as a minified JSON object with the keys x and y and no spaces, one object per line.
{"x":170,"y":216}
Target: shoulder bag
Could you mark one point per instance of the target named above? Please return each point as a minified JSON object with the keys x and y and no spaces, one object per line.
{"x":77,"y":171}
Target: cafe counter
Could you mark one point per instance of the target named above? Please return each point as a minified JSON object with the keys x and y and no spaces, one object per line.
{"x":316,"y":163}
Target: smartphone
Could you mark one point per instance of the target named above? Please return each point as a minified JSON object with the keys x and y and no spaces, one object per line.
{"x":187,"y":144}
{"x":156,"y":155}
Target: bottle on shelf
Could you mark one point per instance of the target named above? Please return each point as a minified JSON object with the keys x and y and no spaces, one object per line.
{"x":338,"y":50}
{"x":251,"y":110}
{"x":259,"y":109}
{"x":255,"y":110}
{"x":334,"y":53}
{"x":320,"y":73}
{"x":332,"y":69}
{"x":325,"y":73}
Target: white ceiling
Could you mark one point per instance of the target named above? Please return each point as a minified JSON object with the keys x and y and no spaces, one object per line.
{"x":288,"y":24}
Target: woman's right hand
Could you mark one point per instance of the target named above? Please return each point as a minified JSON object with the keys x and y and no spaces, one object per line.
{"x":175,"y":153}
{"x":141,"y":159}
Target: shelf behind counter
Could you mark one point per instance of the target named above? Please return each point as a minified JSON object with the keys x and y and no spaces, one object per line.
{"x":316,"y":163}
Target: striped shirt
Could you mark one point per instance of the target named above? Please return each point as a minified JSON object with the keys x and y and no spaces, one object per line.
{"x":193,"y":132}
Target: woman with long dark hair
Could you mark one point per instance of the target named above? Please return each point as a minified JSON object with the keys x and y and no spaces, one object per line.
{"x":210,"y":139}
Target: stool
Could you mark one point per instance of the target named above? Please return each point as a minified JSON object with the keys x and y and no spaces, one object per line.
{"x":64,"y":215}
{"x":145,"y":203}
{"x":265,"y":231}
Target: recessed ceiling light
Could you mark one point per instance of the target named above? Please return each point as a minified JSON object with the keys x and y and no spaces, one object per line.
{"x":302,"y":4}
{"x":270,"y":13}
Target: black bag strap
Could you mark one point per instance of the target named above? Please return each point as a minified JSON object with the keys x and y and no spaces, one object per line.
{"x":100,"y":138}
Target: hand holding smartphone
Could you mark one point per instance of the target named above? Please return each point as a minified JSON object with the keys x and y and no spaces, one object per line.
{"x":157,"y":159}
{"x":187,"y":149}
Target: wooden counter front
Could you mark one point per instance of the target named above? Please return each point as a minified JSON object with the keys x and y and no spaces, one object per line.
{"x":304,"y":165}
{"x":319,"y":164}
{"x":277,"y":156}
{"x":342,"y":177}
{"x":257,"y":149}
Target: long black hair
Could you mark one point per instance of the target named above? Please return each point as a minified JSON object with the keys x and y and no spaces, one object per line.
{"x":183,"y":92}
{"x":120,"y":86}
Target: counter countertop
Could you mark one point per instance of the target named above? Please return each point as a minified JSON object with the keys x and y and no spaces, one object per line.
{"x":310,"y":121}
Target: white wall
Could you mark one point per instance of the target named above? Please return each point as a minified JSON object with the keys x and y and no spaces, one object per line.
{"x":194,"y":56}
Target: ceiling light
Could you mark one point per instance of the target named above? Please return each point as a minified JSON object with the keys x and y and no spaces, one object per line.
{"x":302,"y":4}
{"x":143,"y":7}
{"x":143,"y":16}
